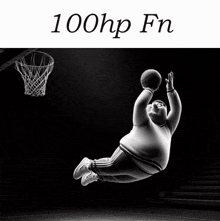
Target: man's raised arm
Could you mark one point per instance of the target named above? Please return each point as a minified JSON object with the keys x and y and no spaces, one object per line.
{"x":140,"y":113}
{"x":175,"y":104}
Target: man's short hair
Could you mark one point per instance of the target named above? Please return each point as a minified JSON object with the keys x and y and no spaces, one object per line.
{"x":159,"y":101}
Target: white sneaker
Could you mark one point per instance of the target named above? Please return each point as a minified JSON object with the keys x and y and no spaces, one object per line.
{"x":89,"y":178}
{"x":82,"y":168}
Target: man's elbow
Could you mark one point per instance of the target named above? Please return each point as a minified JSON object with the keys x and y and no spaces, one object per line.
{"x":140,"y":104}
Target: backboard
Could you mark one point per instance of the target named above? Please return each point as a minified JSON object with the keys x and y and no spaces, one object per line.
{"x":8,"y":56}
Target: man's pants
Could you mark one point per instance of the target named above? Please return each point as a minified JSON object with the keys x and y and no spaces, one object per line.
{"x":119,"y":168}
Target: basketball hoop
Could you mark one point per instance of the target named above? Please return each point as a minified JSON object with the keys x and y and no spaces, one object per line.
{"x":35,"y":69}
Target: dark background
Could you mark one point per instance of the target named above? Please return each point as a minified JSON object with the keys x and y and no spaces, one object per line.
{"x":87,"y":109}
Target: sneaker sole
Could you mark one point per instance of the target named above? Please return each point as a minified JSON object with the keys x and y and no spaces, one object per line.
{"x":78,"y":176}
{"x":83,"y":183}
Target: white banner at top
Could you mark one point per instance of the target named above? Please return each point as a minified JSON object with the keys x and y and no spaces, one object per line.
{"x":115,"y":23}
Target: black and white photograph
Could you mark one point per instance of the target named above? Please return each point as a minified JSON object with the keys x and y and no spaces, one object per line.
{"x":110,"y":134}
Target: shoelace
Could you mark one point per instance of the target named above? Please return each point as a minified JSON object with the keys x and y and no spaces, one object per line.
{"x":83,"y":167}
{"x":91,"y":175}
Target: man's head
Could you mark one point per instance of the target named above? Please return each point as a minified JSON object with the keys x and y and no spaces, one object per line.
{"x":157,"y":111}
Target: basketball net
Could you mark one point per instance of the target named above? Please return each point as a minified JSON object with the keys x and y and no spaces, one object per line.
{"x":35,"y":69}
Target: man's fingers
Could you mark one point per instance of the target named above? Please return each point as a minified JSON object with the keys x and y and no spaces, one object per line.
{"x":172,"y":74}
{"x":169,"y":76}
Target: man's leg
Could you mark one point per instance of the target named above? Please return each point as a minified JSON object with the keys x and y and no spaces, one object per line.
{"x":120,"y":163}
{"x":86,"y":165}
{"x":121,"y":178}
{"x":119,"y":168}
{"x":92,"y":177}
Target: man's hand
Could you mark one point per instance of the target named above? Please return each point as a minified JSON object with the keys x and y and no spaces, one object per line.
{"x":169,"y":82}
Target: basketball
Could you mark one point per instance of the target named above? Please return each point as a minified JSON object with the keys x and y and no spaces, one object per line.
{"x":151,"y":79}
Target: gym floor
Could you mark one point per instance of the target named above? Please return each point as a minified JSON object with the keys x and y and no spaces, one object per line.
{"x":144,"y":212}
